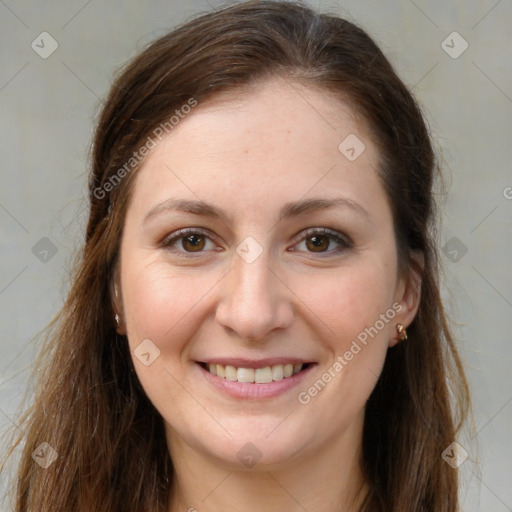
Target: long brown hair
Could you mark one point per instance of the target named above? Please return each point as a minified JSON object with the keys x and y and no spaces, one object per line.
{"x":90,"y":406}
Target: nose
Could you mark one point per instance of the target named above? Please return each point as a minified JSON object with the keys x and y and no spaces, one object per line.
{"x":254,"y":301}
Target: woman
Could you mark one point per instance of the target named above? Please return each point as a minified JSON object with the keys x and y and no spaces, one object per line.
{"x":255,"y":321}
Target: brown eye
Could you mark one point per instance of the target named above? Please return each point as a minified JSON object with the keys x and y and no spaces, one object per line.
{"x":193,"y":242}
{"x":189,"y":243}
{"x":323,"y":241}
{"x":318,"y":243}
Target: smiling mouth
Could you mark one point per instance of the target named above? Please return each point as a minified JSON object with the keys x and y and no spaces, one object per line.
{"x":263,"y":375}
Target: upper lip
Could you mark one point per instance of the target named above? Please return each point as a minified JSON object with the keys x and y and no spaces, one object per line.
{"x":254,"y":363}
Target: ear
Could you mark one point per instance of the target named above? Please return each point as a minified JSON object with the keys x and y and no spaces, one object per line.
{"x":117,"y":302}
{"x":407,"y":295}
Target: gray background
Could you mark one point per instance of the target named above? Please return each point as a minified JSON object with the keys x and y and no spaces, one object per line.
{"x":47,"y":118}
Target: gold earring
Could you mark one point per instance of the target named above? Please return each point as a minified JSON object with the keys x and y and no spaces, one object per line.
{"x":401,"y":332}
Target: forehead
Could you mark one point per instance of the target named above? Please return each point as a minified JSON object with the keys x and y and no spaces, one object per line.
{"x":271,"y":143}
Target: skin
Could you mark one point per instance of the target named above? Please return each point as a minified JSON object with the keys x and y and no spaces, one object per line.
{"x":248,"y":156}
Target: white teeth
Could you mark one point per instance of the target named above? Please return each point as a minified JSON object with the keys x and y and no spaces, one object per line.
{"x":263,"y":375}
{"x":245,"y":375}
{"x":259,"y":375}
{"x":277,"y":372}
{"x":231,"y":373}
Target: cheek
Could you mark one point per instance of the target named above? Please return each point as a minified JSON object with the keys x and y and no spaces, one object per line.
{"x":159,"y":304}
{"x":350,"y":303}
{"x":164,"y":307}
{"x":352,"y":299}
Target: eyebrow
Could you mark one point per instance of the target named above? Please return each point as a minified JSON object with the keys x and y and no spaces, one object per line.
{"x":289,"y":210}
{"x":309,"y":205}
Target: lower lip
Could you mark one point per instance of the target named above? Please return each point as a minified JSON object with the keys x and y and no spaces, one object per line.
{"x":249,"y":390}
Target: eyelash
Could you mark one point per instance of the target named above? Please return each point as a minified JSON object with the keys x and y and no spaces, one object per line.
{"x":334,"y":236}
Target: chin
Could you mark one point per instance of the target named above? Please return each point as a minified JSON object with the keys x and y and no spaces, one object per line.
{"x":253,"y":445}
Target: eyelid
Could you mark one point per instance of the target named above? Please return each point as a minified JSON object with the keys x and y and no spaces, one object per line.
{"x":170,"y":239}
{"x":344,"y":241}
{"x":338,"y":237}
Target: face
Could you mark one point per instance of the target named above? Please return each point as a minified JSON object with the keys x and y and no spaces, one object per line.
{"x":258,"y":276}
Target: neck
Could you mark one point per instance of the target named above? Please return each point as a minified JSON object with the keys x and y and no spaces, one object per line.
{"x":325,"y":480}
